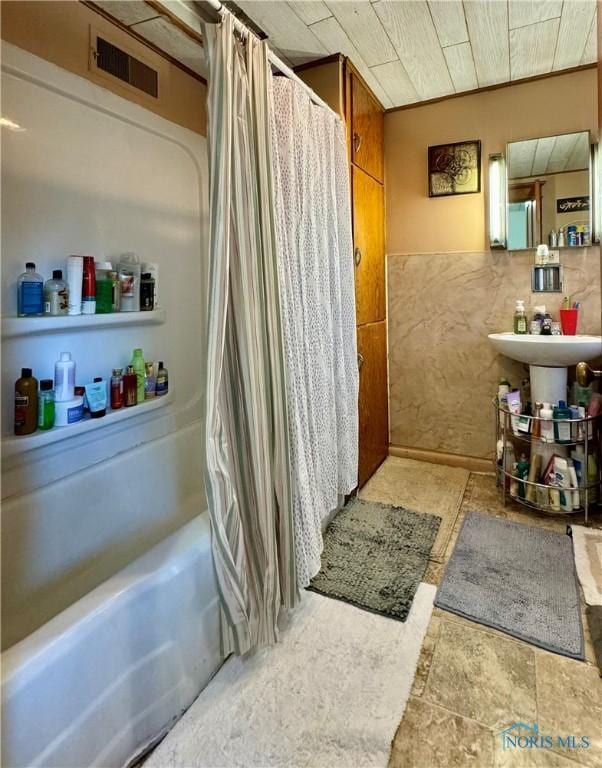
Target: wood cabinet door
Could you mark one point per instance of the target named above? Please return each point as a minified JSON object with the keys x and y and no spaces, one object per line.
{"x":366,"y":130}
{"x":373,"y":398}
{"x":369,"y":247}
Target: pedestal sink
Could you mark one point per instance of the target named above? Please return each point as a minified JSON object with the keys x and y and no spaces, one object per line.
{"x":548,"y":358}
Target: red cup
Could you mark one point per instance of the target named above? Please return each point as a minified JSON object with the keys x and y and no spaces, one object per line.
{"x":568,"y":321}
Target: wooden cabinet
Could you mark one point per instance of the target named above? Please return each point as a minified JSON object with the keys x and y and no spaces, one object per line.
{"x":373,"y":411}
{"x":366,"y":119}
{"x":365,"y":130}
{"x":369,"y":247}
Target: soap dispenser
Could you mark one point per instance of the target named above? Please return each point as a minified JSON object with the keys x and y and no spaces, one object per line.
{"x":520,"y":317}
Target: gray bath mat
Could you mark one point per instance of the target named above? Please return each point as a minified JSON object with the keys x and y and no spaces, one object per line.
{"x":375,"y":556}
{"x":518,"y":579}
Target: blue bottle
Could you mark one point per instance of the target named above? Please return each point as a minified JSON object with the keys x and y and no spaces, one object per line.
{"x":30,"y":292}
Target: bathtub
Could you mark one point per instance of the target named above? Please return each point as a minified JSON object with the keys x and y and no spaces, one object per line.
{"x":109,"y":675}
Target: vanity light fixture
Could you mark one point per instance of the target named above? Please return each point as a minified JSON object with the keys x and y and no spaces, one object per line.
{"x":497,"y":201}
{"x":595,"y":194}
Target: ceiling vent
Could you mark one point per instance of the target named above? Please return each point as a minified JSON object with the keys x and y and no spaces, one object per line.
{"x":111,"y":59}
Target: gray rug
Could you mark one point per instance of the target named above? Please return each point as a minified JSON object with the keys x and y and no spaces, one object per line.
{"x":518,"y":579}
{"x":375,"y":556}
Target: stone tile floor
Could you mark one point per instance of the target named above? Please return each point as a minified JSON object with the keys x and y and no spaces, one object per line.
{"x":473,"y":681}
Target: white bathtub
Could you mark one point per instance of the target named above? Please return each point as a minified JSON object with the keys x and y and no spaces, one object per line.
{"x":109,"y":675}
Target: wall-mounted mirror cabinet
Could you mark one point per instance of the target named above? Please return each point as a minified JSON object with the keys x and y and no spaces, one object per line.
{"x":548,"y":194}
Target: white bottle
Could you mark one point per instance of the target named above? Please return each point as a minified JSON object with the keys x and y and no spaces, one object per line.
{"x":64,"y":378}
{"x":75,"y":273}
{"x":547,"y":425}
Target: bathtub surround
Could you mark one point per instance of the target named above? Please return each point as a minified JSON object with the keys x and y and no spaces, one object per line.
{"x":375,"y":556}
{"x":330,"y":694}
{"x":443,"y":370}
{"x":518,"y":579}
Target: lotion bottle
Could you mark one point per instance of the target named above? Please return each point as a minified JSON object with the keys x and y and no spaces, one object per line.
{"x":64,"y":378}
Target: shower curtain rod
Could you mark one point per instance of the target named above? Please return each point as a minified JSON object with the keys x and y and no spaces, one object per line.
{"x":278,"y":63}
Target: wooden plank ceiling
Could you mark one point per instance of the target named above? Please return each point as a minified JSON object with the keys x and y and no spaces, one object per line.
{"x":414,"y":50}
{"x":407,"y":50}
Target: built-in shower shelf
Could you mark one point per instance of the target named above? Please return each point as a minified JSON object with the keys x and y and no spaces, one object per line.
{"x":13,"y":445}
{"x":25,"y":326}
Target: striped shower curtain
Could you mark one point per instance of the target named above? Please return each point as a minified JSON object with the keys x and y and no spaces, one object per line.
{"x":247,"y":439}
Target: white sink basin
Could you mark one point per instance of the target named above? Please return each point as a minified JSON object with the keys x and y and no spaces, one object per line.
{"x":547,"y":351}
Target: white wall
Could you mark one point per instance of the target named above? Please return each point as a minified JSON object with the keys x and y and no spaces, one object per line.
{"x":95,"y":174}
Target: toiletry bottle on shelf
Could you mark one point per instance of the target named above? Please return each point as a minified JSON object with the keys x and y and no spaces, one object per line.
{"x":147,"y":292}
{"x":64,"y":378}
{"x":75,"y":275}
{"x":104,"y":287}
{"x":523,"y":474}
{"x":561,"y":238}
{"x":520,"y":318}
{"x":26,"y":403}
{"x":96,"y":395}
{"x":30,"y":292}
{"x":536,"y":427}
{"x":46,"y":404}
{"x":138,"y":365}
{"x":553,"y":239}
{"x":547,"y":425}
{"x":116,"y":291}
{"x":130,"y":387}
{"x":89,"y":287}
{"x":562,"y":429}
{"x":129,"y":275}
{"x":514,"y":488}
{"x":150,"y":381}
{"x":538,"y":317}
{"x":56,"y":294}
{"x":162,"y":387}
{"x":117,"y":389}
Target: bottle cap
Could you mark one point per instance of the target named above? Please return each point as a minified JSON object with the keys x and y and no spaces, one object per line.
{"x":97,"y":379}
{"x":26,"y":373}
{"x":46,"y":385}
{"x":65,"y":357}
{"x":104,"y":265}
{"x":138,"y":351}
{"x":30,"y":265}
{"x":130,"y":369}
{"x":117,"y":371}
{"x":57,"y":274}
{"x":561,"y":404}
{"x":146,"y":276}
{"x":160,"y":363}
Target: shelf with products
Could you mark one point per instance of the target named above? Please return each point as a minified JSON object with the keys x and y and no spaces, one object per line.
{"x":24,"y":326}
{"x":585,"y":438}
{"x":13,"y":445}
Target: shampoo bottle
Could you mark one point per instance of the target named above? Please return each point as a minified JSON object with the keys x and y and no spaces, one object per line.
{"x":547,"y":425}
{"x":26,"y":403}
{"x":562,"y":429}
{"x":140,"y":370}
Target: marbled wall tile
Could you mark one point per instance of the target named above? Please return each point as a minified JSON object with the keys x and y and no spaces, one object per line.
{"x":443,"y":372}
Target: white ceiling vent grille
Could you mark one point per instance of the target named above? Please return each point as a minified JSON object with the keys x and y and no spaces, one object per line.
{"x":116,"y":62}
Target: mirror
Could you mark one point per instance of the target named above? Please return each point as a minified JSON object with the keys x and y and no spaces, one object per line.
{"x":548,"y":193}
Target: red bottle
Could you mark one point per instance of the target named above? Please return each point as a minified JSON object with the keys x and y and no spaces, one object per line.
{"x":89,"y":287}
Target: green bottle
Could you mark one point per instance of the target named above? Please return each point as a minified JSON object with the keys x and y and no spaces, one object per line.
{"x":523,"y":474}
{"x":139,"y":367}
{"x":520,"y":318}
{"x":46,"y":404}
